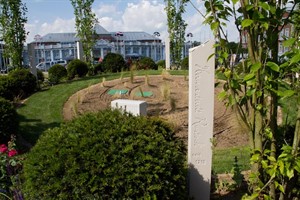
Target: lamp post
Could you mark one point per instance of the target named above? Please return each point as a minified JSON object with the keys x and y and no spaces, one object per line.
{"x":118,"y":35}
{"x":189,"y":35}
{"x":156,"y":34}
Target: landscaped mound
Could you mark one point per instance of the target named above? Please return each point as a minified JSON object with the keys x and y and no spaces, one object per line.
{"x":107,"y":155}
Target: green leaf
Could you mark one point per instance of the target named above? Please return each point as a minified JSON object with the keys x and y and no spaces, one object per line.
{"x":249,"y":77}
{"x":214,"y":25}
{"x":264,"y":5}
{"x":273,"y":66}
{"x":250,"y":92}
{"x":271,"y":158}
{"x":295,"y":59}
{"x":281,"y":166}
{"x":297,"y":166}
{"x":290,"y":173}
{"x":222,"y":95}
{"x":280,"y":187}
{"x":247,"y":22}
{"x":289,"y":42}
{"x":255,"y":67}
{"x":255,"y":157}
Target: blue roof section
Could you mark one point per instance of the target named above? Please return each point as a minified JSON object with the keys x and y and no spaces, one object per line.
{"x":71,"y":37}
{"x":136,"y":36}
{"x":59,"y":37}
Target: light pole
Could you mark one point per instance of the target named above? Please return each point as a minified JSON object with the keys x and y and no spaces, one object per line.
{"x":156,"y":34}
{"x":118,"y":35}
{"x":189,"y":35}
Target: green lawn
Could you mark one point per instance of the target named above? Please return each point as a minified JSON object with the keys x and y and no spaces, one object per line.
{"x":43,"y":109}
{"x":224,"y":159}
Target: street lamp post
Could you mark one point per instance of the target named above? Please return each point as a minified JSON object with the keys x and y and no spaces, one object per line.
{"x":189,"y":35}
{"x":156,"y":34}
{"x":118,"y":35}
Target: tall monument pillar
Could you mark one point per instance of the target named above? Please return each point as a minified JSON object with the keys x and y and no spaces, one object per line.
{"x":201,"y":110}
{"x":167,"y":49}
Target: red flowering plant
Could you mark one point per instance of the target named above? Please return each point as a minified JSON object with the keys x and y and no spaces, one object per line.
{"x":10,"y":168}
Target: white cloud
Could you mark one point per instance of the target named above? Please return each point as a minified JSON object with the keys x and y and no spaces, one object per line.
{"x":58,"y":26}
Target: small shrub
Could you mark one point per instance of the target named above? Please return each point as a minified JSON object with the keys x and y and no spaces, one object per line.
{"x":98,"y":68}
{"x":113,"y":62}
{"x":6,"y":87}
{"x":107,"y":155}
{"x":23,"y":82}
{"x":40,"y":75}
{"x":56,"y":73}
{"x":185,"y":63}
{"x":147,"y":63}
{"x":161,"y":64}
{"x":8,"y":120}
{"x":77,"y":68}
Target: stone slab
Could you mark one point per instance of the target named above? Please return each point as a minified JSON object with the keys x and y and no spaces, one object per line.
{"x":134,"y":107}
{"x":201,"y":109}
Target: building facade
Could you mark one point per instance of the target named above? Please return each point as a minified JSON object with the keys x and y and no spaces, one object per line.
{"x":64,"y":46}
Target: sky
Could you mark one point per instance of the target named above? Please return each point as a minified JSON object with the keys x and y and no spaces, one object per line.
{"x":57,"y":16}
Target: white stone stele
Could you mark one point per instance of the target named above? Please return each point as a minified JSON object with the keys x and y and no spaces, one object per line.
{"x":201,"y":109}
{"x":134,"y":107}
{"x":167,"y":49}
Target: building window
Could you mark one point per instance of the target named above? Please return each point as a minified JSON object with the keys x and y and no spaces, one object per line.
{"x":287,"y":32}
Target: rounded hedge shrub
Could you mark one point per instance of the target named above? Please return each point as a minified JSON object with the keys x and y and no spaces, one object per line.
{"x":8,"y":120}
{"x":185,"y":63}
{"x":24,"y":82}
{"x":56,"y":73}
{"x":40,"y":75}
{"x":77,"y":68}
{"x":147,"y":63}
{"x":161,"y":63}
{"x":107,"y":155}
{"x":113,"y":62}
{"x":6,"y":87}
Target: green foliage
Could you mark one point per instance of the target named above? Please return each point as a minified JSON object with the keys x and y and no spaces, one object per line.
{"x":77,"y":68}
{"x":107,"y":155}
{"x":40,"y":75}
{"x":176,"y":28}
{"x":113,"y":62}
{"x":98,"y":68}
{"x":256,"y":87}
{"x":6,"y":87}
{"x":23,"y":82}
{"x":10,"y":170}
{"x":56,"y":73}
{"x":12,"y":21}
{"x":146,"y":63}
{"x":85,"y":21}
{"x":161,"y":63}
{"x":185,"y":63}
{"x":8,"y":120}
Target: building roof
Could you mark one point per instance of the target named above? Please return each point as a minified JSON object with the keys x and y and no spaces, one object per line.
{"x":58,"y":37}
{"x":71,"y":37}
{"x":136,"y":36}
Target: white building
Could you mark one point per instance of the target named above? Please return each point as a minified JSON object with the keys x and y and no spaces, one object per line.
{"x":62,"y":46}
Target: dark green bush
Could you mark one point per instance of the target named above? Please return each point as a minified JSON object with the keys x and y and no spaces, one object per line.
{"x":56,"y":73}
{"x":23,"y":82}
{"x":77,"y":68}
{"x":6,"y":87}
{"x":147,"y":63}
{"x":8,"y":120}
{"x":40,"y":75}
{"x":113,"y":62}
{"x":161,"y":63}
{"x":107,"y":156}
{"x":98,"y":68}
{"x":185,"y":63}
